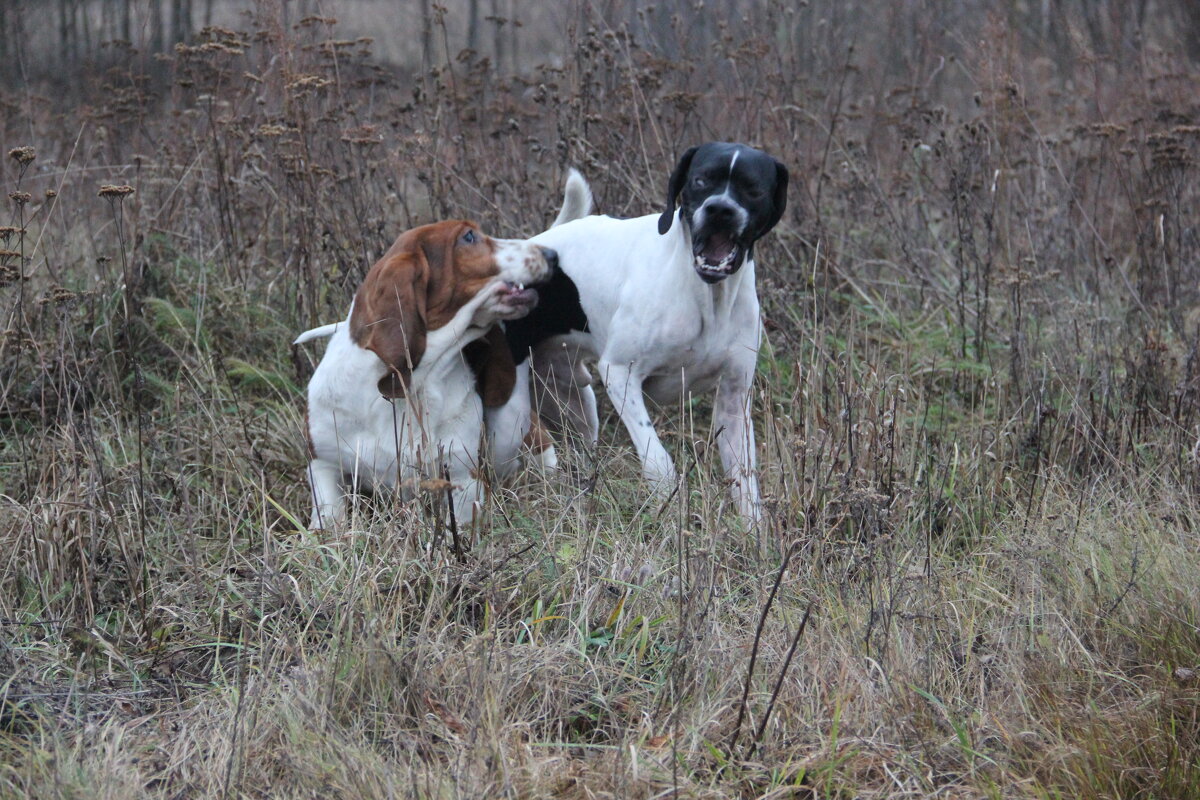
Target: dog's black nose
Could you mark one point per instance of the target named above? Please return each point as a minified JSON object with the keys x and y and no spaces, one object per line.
{"x":551,"y":257}
{"x":721,"y":212}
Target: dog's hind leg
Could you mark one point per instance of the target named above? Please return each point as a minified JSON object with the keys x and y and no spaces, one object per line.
{"x":563,"y":394}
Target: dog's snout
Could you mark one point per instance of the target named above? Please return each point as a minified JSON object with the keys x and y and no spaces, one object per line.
{"x":551,"y":257}
{"x":721,"y":212}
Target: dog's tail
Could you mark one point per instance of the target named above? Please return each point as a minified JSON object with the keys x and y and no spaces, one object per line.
{"x":577,"y":199}
{"x":317,"y":333}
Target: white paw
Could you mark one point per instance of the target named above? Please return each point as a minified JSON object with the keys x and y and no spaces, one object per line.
{"x":547,"y":460}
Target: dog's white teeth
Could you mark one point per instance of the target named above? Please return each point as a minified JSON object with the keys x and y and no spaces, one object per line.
{"x":520,"y":287}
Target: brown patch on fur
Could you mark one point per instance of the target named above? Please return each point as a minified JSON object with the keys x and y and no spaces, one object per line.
{"x":421,"y":282}
{"x":495,"y":371}
{"x":538,"y":439}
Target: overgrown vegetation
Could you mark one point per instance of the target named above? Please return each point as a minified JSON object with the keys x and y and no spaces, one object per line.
{"x":977,"y":408}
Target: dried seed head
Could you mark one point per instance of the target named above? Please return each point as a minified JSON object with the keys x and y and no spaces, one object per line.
{"x":51,"y":194}
{"x":109,"y":190}
{"x":20,"y":198}
{"x":9,"y":273}
{"x":22,"y":155}
{"x":363,"y":134}
{"x":57,"y":295}
{"x":7,"y":232}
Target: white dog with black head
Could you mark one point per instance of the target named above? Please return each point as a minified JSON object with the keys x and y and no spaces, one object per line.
{"x":665,"y":304}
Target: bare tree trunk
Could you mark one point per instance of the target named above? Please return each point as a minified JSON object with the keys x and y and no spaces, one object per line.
{"x":513,"y":45}
{"x":63,"y":44}
{"x":157,"y":26}
{"x":181,"y":21}
{"x":84,"y":32}
{"x":498,"y":37}
{"x":127,"y":21}
{"x":1093,"y":17}
{"x":107,"y":22}
{"x":4,"y":35}
{"x":426,"y":35}
{"x":208,"y":4}
{"x":473,"y":26}
{"x":1190,"y":12}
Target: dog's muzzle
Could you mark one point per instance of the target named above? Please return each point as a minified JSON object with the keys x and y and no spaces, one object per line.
{"x":521,"y":298}
{"x":717,"y":248}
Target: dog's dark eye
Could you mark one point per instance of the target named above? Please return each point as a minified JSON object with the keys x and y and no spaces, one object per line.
{"x":469,"y":237}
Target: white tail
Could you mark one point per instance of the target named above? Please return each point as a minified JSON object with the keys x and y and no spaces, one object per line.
{"x":577,"y":199}
{"x":317,"y":333}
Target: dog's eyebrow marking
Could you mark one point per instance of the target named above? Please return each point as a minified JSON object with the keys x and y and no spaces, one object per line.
{"x":732,"y":161}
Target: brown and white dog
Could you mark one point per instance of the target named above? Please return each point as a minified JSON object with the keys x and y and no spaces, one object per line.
{"x":399,"y":394}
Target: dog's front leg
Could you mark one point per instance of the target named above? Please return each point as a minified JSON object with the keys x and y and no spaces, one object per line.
{"x":468,"y":501}
{"x":466,"y":491}
{"x":329,"y":505}
{"x":735,"y":441}
{"x":624,"y":387}
{"x":508,"y":424}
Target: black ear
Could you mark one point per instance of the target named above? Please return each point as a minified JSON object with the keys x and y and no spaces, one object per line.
{"x":779,"y":201}
{"x":674,"y":187}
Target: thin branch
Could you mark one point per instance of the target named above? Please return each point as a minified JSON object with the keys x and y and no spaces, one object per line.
{"x":787,"y":662}
{"x":762,"y":621}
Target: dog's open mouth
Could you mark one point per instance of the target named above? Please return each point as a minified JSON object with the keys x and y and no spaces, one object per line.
{"x":518,"y":296}
{"x":717,"y":257}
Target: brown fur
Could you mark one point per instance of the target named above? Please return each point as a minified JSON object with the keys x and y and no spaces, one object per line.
{"x":421,"y":282}
{"x":538,"y":439}
{"x":494,"y":368}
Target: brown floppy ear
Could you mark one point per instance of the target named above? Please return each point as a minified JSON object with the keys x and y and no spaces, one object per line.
{"x":495,"y":371}
{"x":389,"y":316}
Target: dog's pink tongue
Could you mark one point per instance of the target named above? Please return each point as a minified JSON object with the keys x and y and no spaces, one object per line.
{"x":522,"y":296}
{"x":717,"y":249}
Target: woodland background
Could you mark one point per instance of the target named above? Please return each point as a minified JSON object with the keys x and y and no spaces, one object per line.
{"x":978,"y":407}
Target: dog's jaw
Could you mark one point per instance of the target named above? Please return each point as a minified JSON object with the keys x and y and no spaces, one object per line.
{"x":717,"y":256}
{"x":521,"y":264}
{"x":718,"y":249}
{"x":514,"y":299}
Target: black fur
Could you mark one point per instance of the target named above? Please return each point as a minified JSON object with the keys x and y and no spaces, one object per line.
{"x":558,"y":311}
{"x":709,"y":177}
{"x":674,"y":187}
{"x":758,"y":185}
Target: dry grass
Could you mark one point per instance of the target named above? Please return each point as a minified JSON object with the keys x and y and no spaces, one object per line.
{"x":978,"y":411}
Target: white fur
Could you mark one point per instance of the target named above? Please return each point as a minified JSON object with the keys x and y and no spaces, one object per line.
{"x":656,"y":330}
{"x":577,"y":199}
{"x":361,"y":439}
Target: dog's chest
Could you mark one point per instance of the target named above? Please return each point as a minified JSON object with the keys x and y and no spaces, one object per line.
{"x":379,"y":439}
{"x":691,"y":341}
{"x":692,"y":364}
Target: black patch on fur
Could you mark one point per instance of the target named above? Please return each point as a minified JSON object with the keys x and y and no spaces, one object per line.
{"x":558,"y":311}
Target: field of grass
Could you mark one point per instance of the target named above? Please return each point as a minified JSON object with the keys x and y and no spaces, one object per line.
{"x":978,"y":410}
